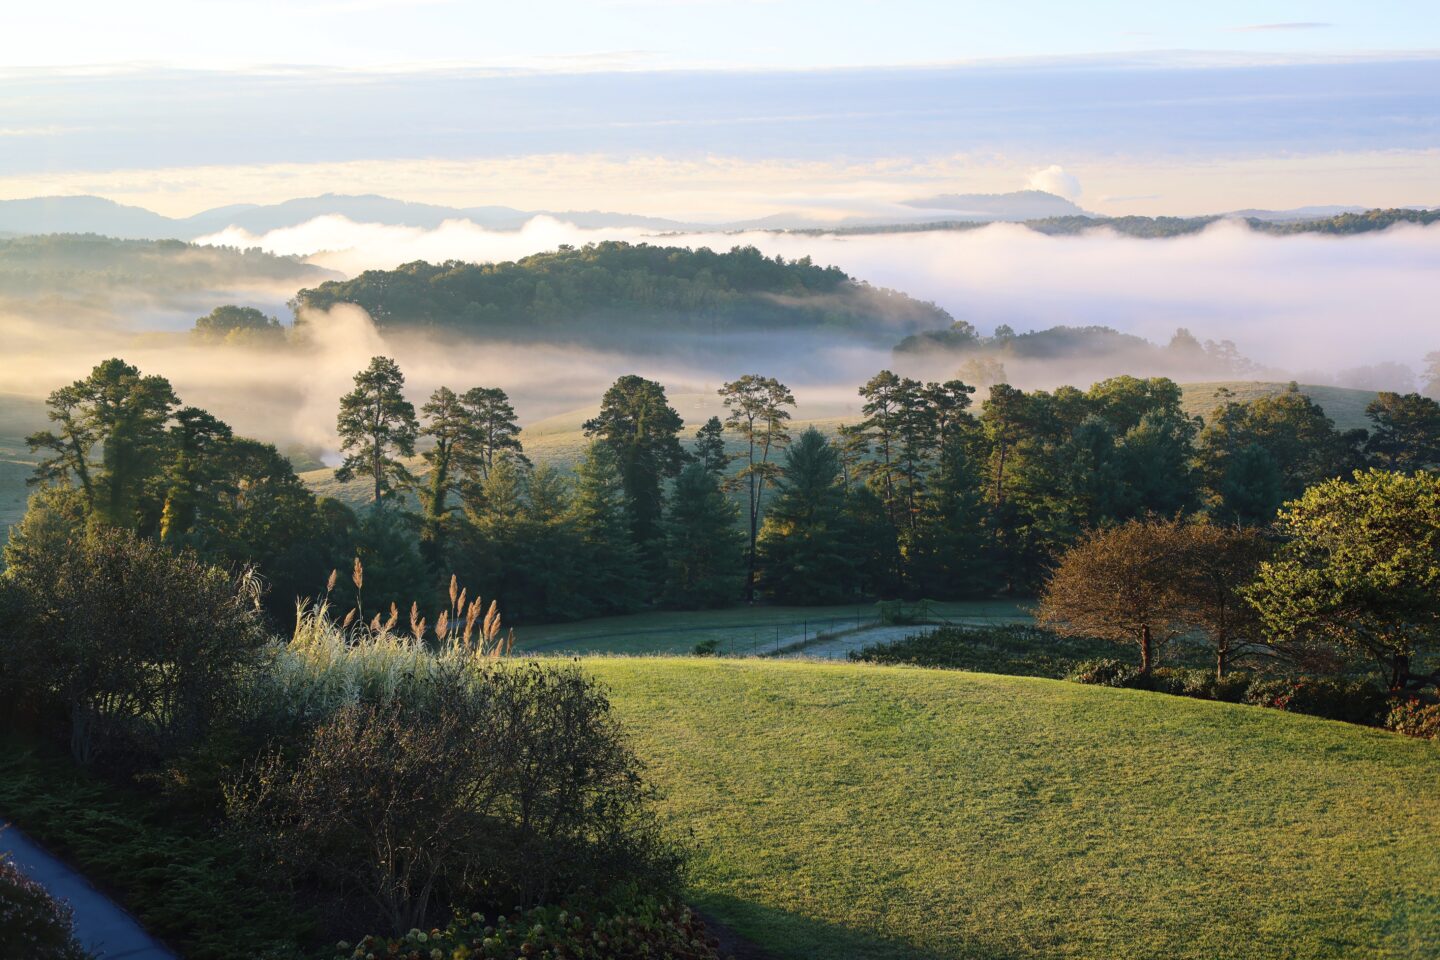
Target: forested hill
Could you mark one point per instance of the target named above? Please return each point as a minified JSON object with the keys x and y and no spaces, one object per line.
{"x":73,"y":264}
{"x":1343,"y":224}
{"x":617,"y":292}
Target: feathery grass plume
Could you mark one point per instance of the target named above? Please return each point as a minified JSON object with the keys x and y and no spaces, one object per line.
{"x":330,"y":584}
{"x":375,"y":624}
{"x":418,"y":629}
{"x":472,"y":617}
{"x":454,"y":589}
{"x":442,"y":624}
{"x":394,"y":617}
{"x":358,"y":574}
{"x":491,"y":628}
{"x":414,"y":614}
{"x":460,"y":604}
{"x":349,"y":619}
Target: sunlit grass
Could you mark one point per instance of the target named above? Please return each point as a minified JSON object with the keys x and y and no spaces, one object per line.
{"x":872,"y":812}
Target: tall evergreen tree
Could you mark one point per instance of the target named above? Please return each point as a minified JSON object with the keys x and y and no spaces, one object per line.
{"x":1406,"y":432}
{"x":494,"y":430}
{"x":376,"y":426}
{"x":803,"y":549}
{"x":195,"y":476}
{"x":447,"y":424}
{"x":757,"y":412}
{"x":710,"y":446}
{"x":615,"y":568}
{"x":641,"y":431}
{"x":704,"y":549}
{"x":126,"y":414}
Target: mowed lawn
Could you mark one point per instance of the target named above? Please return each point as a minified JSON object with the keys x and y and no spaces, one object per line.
{"x":843,"y":810}
{"x":739,"y":630}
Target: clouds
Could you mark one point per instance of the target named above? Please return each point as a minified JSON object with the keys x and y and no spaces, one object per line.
{"x":1054,"y":179}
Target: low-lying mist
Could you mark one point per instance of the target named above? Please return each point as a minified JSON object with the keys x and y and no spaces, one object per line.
{"x":1299,"y":303}
{"x":1307,"y":306}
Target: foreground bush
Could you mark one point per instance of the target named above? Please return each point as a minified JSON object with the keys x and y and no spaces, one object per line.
{"x":32,"y":924}
{"x":139,"y":649}
{"x":645,"y":927}
{"x":421,"y":778}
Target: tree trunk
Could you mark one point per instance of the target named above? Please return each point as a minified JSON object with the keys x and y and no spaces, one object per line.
{"x":1222,"y":656}
{"x":1145,"y":650}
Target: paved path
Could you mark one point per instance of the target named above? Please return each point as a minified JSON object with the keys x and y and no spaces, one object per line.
{"x":100,"y":924}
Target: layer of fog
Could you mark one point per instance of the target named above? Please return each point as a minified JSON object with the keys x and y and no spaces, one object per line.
{"x":1308,"y":306}
{"x":289,"y":394}
{"x":1307,"y":303}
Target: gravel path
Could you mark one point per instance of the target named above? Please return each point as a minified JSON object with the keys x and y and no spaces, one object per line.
{"x":101,"y":925}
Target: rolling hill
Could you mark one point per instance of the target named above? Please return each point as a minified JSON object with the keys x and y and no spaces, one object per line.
{"x":870,"y":813}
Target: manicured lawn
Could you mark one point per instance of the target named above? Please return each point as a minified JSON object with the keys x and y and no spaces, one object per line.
{"x":739,"y":630}
{"x":843,"y":810}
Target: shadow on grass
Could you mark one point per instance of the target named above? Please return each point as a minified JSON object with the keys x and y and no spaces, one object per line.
{"x":777,"y":934}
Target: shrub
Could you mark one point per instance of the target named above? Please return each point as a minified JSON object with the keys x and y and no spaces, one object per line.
{"x":478,"y":782}
{"x":142,"y":648}
{"x":1018,"y":649}
{"x":1106,"y":673}
{"x":1329,"y":697}
{"x":32,"y":924}
{"x":1415,"y":718}
{"x":707,"y":648}
{"x":642,"y":927}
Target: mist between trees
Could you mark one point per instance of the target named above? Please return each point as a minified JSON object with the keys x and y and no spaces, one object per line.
{"x":926,"y":494}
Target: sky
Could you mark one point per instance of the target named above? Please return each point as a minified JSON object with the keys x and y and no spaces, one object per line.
{"x":716,"y":111}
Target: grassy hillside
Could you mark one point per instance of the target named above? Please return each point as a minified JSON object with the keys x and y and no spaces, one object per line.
{"x":874,"y":812}
{"x":1342,"y":404}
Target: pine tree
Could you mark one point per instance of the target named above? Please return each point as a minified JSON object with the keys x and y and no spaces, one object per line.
{"x":494,"y":431}
{"x":710,"y":446}
{"x":704,"y":549}
{"x":376,"y":425}
{"x":803,"y":549}
{"x":447,"y":424}
{"x":615,"y":575}
{"x":757,"y":411}
{"x":641,"y":431}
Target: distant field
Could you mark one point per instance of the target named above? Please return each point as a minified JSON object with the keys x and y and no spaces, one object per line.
{"x":740,"y":630}
{"x":1341,"y":404}
{"x":871,"y":813}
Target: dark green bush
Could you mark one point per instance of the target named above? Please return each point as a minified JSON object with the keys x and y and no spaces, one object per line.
{"x":508,"y":783}
{"x":1018,"y":649}
{"x":142,"y":649}
{"x":1353,"y":701}
{"x":32,"y":925}
{"x":1106,"y":673}
{"x":639,"y":927}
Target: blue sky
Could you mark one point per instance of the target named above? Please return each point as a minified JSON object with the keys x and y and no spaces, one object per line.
{"x":650,"y":34}
{"x":723,"y":110}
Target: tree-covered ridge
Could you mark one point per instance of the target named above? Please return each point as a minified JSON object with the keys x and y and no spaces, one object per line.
{"x":69,"y":263}
{"x":615,"y":290}
{"x":1160,"y":227}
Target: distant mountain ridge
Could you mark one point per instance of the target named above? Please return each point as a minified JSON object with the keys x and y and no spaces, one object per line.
{"x":1039,"y":210}
{"x":86,"y":214}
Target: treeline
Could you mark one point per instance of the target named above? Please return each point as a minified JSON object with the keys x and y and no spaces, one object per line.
{"x":1161,"y":227}
{"x":613,"y":290}
{"x":1184,"y":352}
{"x":927,"y":496}
{"x":68,"y":264}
